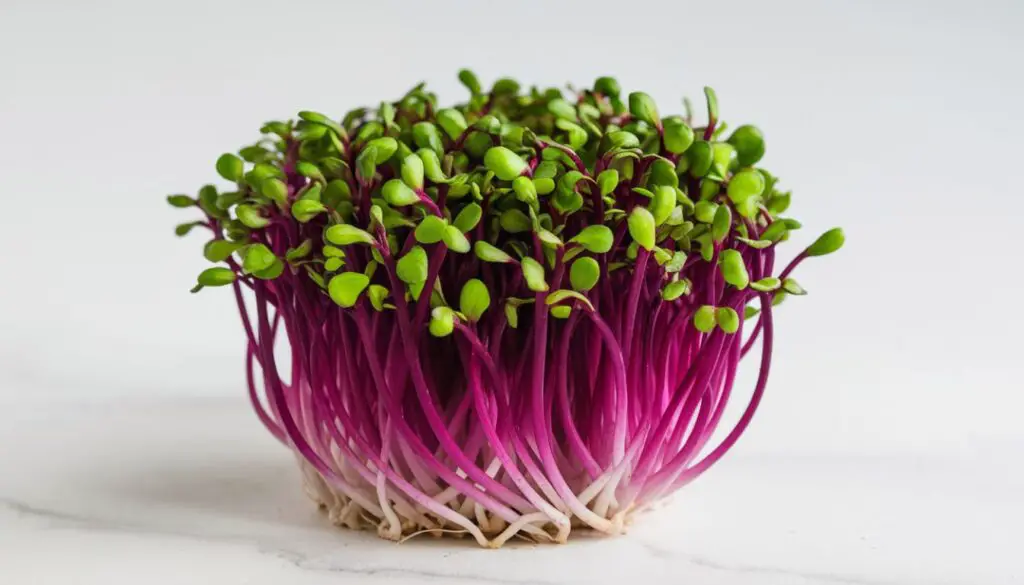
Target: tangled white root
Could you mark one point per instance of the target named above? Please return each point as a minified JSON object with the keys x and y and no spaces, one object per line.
{"x":406,"y":521}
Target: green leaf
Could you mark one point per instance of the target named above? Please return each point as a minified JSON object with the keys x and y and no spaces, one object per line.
{"x":642,"y":107}
{"x":386,"y":111}
{"x":663,"y":201}
{"x":455,"y":240}
{"x":749,"y":143}
{"x":768,"y":284}
{"x":182,"y":229}
{"x":793,"y":287}
{"x":216,"y":276}
{"x":712,"y":100}
{"x":621,"y":139}
{"x":562,"y":295}
{"x":642,"y":227}
{"x":377,"y":294}
{"x":515,"y":221}
{"x":676,"y":263}
{"x":727,"y":319}
{"x":750,"y":312}
{"x":662,"y":172}
{"x":745,"y":184}
{"x":384,"y":148}
{"x":596,"y":238}
{"x":505,"y":86}
{"x":431,"y":165}
{"x":704,"y":319}
{"x":442,"y":321}
{"x":275,"y":190}
{"x":344,"y":234}
{"x":775,"y":231}
{"x":474,"y":299}
{"x":576,"y":135}
{"x":544,"y":185}
{"x":607,"y":86}
{"x":309,"y":170}
{"x":584,"y":274}
{"x":525,"y":189}
{"x":467,"y":219}
{"x":366,"y":165}
{"x":208,"y":201}
{"x":676,"y":289}
{"x":398,"y":194}
{"x":336,"y":192}
{"x":452,"y":122}
{"x":561,"y":311}
{"x":412,"y":268}
{"x":512,"y":315}
{"x":724,"y":155}
{"x":734,"y":271}
{"x":333,"y":264}
{"x":300,"y":251}
{"x":426,"y":135}
{"x":607,"y":181}
{"x":228,"y":199}
{"x":251,"y":217}
{"x":180,"y":201}
{"x":756,"y":244}
{"x":430,"y":230}
{"x":489,"y":253}
{"x":722,"y":223}
{"x":749,"y":207}
{"x":230,"y":167}
{"x":504,"y":163}
{"x":533,"y":273}
{"x":827,"y":243}
{"x":779,"y":203}
{"x":271,"y":272}
{"x":700,"y":156}
{"x":707,"y":247}
{"x":304,"y":210}
{"x":469,"y":79}
{"x":677,"y":136}
{"x":313,"y":192}
{"x":220,"y":250}
{"x":257,"y":257}
{"x":332,"y":252}
{"x":412,"y":171}
{"x":562,"y":109}
{"x":345,"y":288}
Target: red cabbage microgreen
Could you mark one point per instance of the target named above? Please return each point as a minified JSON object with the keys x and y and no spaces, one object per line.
{"x":510,"y":317}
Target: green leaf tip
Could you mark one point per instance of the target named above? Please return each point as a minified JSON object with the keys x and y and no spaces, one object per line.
{"x":828,"y":242}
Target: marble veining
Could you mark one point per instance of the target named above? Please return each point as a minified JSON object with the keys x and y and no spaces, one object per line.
{"x":201,"y":497}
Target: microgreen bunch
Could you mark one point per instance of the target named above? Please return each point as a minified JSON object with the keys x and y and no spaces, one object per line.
{"x":507,"y":317}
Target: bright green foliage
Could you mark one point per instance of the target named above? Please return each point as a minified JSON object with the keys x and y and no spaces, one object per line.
{"x":346,"y":287}
{"x":504,"y":163}
{"x":474,"y":299}
{"x":704,"y":319}
{"x":641,"y":227}
{"x":217,"y":276}
{"x":533,"y":273}
{"x":734,"y":271}
{"x":517,"y":191}
{"x":829,"y":242}
{"x":412,"y":268}
{"x":727,"y":318}
{"x":584,"y":274}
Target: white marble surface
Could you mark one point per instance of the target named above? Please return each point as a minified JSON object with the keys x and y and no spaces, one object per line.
{"x":192,"y":491}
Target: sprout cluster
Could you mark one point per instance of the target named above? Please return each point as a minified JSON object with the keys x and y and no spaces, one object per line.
{"x":505,"y":318}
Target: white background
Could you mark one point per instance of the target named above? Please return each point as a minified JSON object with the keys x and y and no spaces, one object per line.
{"x":898,"y":120}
